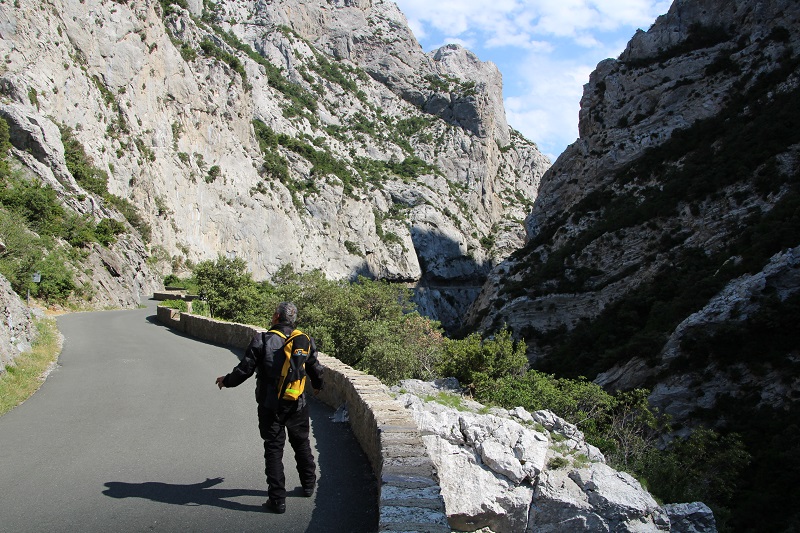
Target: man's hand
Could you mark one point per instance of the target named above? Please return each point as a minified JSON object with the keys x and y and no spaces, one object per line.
{"x":220,"y":382}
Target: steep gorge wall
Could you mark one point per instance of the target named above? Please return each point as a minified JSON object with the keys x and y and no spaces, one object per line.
{"x":380,"y":159}
{"x":682,"y":187}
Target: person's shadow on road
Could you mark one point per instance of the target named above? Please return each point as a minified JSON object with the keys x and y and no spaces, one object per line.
{"x":193,"y":494}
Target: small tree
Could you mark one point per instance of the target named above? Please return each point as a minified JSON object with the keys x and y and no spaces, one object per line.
{"x":475,"y":359}
{"x":229,"y":289}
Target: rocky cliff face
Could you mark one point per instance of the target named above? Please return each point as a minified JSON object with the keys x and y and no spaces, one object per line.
{"x":315,"y":134}
{"x":17,"y":333}
{"x":535,"y":471}
{"x":670,"y":225}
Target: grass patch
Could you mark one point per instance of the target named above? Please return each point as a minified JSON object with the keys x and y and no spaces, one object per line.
{"x":24,"y":377}
{"x":448,"y":400}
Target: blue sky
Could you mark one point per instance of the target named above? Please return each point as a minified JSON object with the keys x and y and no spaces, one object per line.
{"x":545,"y":50}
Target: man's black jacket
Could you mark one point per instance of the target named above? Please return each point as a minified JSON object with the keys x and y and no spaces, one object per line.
{"x":264,"y":357}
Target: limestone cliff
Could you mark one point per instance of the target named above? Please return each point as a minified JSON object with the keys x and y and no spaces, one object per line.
{"x":661,"y":248}
{"x":311,"y":133}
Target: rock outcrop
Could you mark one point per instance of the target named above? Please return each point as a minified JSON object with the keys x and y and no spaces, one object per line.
{"x":513,"y":471}
{"x":249,"y":126}
{"x":17,"y":332}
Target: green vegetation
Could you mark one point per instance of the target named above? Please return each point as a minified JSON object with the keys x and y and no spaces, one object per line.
{"x":375,"y":171}
{"x":80,"y":165}
{"x":180,"y":305}
{"x":353,"y":248}
{"x":323,"y":162}
{"x":5,"y":146}
{"x":372,"y":326}
{"x":210,"y":49}
{"x":335,"y":73}
{"x":95,"y":181}
{"x":189,"y":285}
{"x":275,"y":165}
{"x":298,"y":96}
{"x":389,"y":237}
{"x":32,"y":220}
{"x":24,"y":377}
{"x":168,"y":6}
{"x":447,"y":399}
{"x":213,"y":173}
{"x":437,"y":83}
{"x":366,"y":324}
{"x":187,"y":52}
{"x":33,"y":97}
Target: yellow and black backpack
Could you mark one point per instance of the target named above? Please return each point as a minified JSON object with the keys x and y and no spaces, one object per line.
{"x":292,"y":379}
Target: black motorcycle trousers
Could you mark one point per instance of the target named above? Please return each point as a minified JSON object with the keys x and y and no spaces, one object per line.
{"x":274,"y":426}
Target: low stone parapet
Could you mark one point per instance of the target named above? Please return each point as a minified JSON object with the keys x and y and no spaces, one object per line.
{"x":176,"y":294}
{"x":409,"y":496}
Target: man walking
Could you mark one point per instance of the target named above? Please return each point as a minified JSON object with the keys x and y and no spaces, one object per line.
{"x":281,"y":358}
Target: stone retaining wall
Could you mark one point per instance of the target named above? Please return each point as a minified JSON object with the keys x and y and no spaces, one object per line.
{"x":409,"y":494}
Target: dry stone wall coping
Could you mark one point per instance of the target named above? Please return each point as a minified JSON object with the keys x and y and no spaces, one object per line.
{"x":409,"y":494}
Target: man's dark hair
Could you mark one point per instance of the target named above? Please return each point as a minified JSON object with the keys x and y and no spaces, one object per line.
{"x":287,"y":313}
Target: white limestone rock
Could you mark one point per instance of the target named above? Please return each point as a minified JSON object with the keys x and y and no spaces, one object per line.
{"x":593,"y":499}
{"x":494,"y":473}
{"x":157,"y":120}
{"x":17,"y":331}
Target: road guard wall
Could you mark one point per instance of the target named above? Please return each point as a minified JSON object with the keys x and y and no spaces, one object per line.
{"x":409,"y":496}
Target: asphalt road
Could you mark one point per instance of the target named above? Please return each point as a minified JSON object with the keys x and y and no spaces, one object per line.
{"x":130,"y":433}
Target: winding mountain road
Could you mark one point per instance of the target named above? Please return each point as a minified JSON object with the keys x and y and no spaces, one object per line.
{"x":130,"y":433}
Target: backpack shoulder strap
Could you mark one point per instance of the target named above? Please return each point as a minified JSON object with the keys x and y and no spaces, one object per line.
{"x":277,"y":332}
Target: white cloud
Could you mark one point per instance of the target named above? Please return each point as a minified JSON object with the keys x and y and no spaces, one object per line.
{"x":468,"y":44}
{"x":547,"y":111}
{"x":418,"y":29}
{"x":505,"y":21}
{"x":547,"y":48}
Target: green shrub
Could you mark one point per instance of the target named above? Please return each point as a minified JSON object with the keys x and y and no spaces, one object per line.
{"x":323,"y":161}
{"x":353,"y":248}
{"x":557,"y":462}
{"x":33,"y":97}
{"x":478,"y":361}
{"x":229,"y":289}
{"x":95,"y":181}
{"x":188,"y":53}
{"x":38,"y":204}
{"x":107,"y":231}
{"x":200,"y":307}
{"x":705,"y":466}
{"x":180,"y":305}
{"x":275,"y":165}
{"x":57,"y":279}
{"x":23,"y":249}
{"x":412,"y":125}
{"x":167,"y":5}
{"x":213,"y":173}
{"x":210,"y":49}
{"x":132,"y":215}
